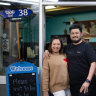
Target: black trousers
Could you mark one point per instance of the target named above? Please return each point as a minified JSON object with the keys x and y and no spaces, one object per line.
{"x":75,"y":90}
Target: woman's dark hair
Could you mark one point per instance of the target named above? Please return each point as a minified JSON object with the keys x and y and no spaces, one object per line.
{"x":61,"y":49}
{"x":75,"y":26}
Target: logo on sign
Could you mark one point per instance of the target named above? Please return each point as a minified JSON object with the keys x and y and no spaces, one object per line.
{"x":19,"y":68}
{"x":10,"y":12}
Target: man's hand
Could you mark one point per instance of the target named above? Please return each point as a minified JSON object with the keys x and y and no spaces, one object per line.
{"x":46,"y":54}
{"x":84,"y":87}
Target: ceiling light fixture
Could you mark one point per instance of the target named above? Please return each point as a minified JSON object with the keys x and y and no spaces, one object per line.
{"x":32,"y":0}
{"x":7,"y":4}
{"x":49,"y":7}
{"x":23,"y":2}
{"x":52,"y":0}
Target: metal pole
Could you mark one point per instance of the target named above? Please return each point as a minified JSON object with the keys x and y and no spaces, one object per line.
{"x":41,"y":41}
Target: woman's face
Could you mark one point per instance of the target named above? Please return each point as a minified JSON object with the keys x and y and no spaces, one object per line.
{"x":55,"y":46}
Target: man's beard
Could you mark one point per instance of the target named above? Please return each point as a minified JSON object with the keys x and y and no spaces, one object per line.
{"x":76,"y":41}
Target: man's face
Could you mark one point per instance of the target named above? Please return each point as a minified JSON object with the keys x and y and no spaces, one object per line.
{"x":75,"y":35}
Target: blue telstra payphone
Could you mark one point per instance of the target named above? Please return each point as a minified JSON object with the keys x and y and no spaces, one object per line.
{"x":22,"y":79}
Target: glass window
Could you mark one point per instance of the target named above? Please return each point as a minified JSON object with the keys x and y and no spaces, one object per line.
{"x":27,"y":46}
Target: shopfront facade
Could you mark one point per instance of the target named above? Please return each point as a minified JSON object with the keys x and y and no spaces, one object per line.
{"x":33,"y":35}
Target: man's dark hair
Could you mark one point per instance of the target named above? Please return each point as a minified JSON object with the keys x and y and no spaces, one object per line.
{"x":56,"y":37}
{"x":75,"y":26}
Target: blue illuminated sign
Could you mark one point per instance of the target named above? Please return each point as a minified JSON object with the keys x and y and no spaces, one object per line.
{"x":22,"y":79}
{"x":16,"y":13}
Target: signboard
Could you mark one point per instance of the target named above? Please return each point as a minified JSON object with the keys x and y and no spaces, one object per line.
{"x":22,"y":79}
{"x":15,"y":13}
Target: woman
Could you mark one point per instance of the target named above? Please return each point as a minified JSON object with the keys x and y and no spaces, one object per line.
{"x":55,"y":74}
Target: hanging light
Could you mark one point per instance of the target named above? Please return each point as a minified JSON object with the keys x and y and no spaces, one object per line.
{"x":3,"y":3}
{"x":24,"y":2}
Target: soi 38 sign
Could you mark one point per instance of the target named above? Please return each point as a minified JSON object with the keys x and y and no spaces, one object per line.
{"x":15,"y":13}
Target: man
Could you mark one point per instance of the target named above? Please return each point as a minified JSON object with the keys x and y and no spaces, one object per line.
{"x":81,"y":64}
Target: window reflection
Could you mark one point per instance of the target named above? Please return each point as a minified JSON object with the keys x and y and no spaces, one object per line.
{"x":28,"y":36}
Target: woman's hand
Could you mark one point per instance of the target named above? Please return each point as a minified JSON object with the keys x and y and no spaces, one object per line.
{"x":46,"y":54}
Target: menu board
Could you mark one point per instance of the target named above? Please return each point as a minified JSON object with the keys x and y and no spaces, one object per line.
{"x":22,"y":79}
{"x":22,"y":84}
